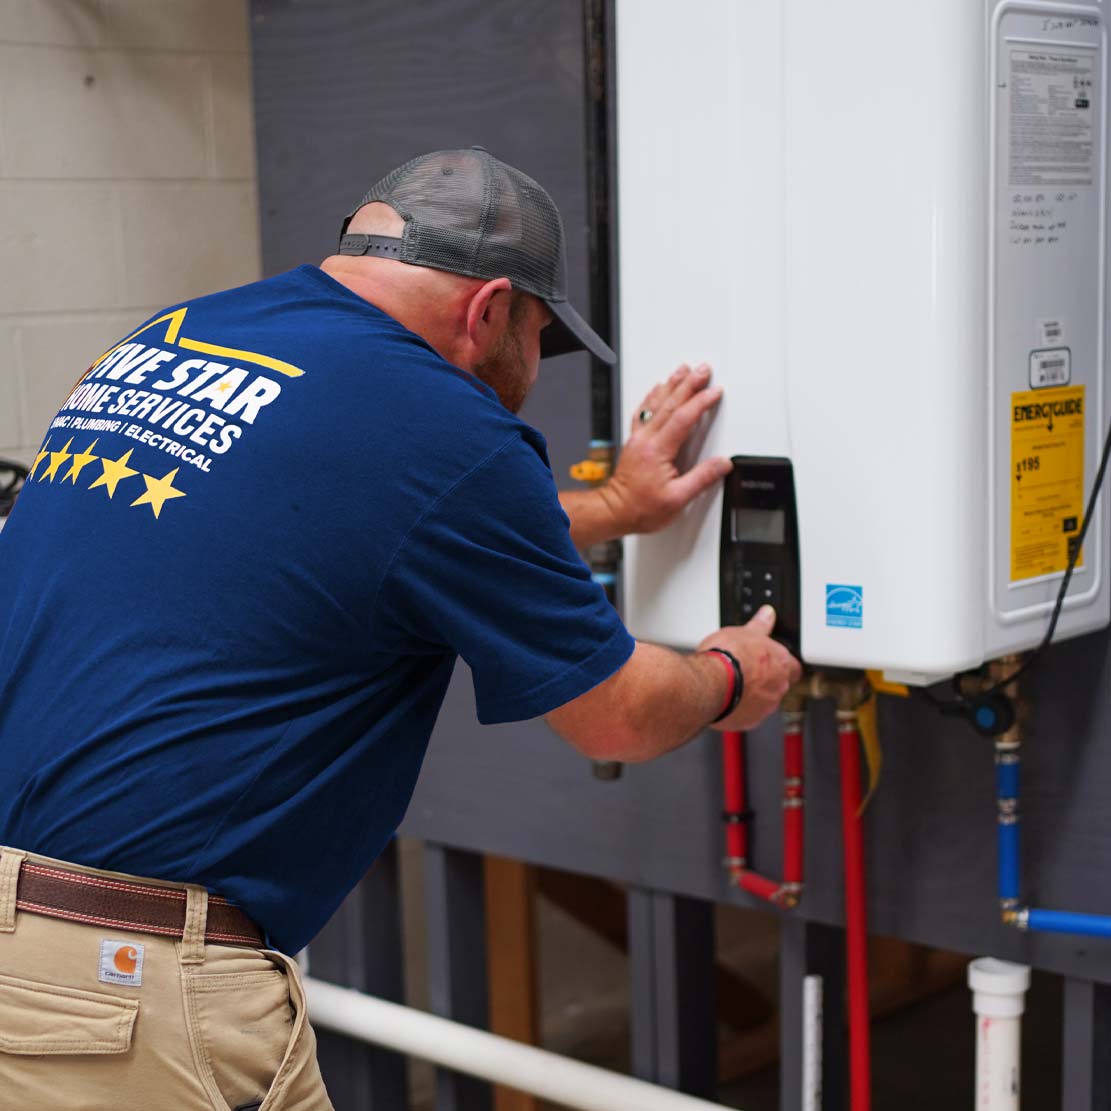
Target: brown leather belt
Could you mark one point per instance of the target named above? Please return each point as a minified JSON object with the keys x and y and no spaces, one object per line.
{"x":99,"y":901}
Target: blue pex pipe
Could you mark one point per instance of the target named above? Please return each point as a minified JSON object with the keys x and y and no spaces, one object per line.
{"x":1006,"y":780}
{"x":1065,"y":922}
{"x":1008,"y":862}
{"x":1006,"y":783}
{"x":1044,"y":921}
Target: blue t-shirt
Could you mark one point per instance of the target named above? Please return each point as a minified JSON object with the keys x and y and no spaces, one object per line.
{"x":232,"y":593}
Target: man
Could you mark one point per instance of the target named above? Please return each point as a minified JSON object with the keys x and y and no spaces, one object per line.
{"x":259,"y":533}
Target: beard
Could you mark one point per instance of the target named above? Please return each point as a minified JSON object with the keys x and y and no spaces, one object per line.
{"x":506,"y":372}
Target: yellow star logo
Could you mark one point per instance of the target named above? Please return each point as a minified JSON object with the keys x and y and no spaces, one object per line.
{"x":115,"y":470}
{"x":57,"y":458}
{"x":80,"y":461}
{"x":43,"y":453}
{"x":223,"y":387}
{"x":159,"y":491}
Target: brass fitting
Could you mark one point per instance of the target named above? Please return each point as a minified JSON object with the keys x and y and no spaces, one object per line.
{"x":1000,"y":670}
{"x":849,"y":690}
{"x":1003,"y":668}
{"x":789,"y":895}
{"x":793,"y":706}
{"x":787,"y":899}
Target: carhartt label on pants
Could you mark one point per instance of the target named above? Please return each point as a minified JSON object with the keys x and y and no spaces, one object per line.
{"x":121,"y":962}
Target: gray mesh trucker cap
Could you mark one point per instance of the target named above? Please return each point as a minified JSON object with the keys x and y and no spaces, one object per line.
{"x":468,"y":213}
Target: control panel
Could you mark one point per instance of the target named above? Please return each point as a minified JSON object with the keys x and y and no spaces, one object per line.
{"x":760,"y":546}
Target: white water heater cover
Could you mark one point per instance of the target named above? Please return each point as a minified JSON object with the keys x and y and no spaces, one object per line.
{"x":885,"y":227}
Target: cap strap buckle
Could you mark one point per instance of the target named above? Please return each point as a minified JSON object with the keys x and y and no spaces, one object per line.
{"x":384,"y":246}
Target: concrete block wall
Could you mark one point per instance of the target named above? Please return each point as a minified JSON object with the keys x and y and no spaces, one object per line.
{"x":127,"y":181}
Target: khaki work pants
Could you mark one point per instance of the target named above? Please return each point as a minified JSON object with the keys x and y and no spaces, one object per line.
{"x":191,"y":1027}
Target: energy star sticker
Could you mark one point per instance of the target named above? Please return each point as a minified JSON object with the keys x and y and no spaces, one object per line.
{"x":115,"y":470}
{"x":159,"y":491}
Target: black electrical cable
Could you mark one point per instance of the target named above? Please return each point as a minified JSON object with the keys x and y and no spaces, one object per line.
{"x":1089,"y":513}
{"x":961,"y":705}
{"x":937,"y":703}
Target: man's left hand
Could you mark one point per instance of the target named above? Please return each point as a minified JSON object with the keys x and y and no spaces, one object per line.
{"x":647,"y":491}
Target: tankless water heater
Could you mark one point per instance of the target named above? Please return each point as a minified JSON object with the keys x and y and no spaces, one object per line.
{"x":885,"y":227}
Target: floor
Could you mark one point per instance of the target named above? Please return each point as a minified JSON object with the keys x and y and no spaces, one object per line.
{"x":923,"y":1054}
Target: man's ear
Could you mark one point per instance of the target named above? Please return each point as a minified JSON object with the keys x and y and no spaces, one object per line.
{"x":488,"y":316}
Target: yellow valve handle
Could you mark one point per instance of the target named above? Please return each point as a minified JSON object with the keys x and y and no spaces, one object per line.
{"x":870,"y":731}
{"x":590,"y":470}
{"x":873,"y":753}
{"x":885,"y":686}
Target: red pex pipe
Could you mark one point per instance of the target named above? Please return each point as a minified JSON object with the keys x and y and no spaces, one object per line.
{"x":762,"y":887}
{"x":736,"y":832}
{"x":793,"y":821}
{"x":856,"y":923}
{"x":783,"y":893}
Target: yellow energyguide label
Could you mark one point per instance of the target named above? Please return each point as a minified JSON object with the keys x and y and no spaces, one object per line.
{"x":1047,"y":479}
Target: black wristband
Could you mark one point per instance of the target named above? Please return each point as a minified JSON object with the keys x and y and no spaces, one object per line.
{"x":738,"y":682}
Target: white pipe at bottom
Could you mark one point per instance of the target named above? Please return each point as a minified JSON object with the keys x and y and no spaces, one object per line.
{"x":489,"y":1056}
{"x":998,"y":999}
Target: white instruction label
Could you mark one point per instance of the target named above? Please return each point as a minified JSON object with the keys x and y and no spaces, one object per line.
{"x":1051,"y":117}
{"x":1051,"y":332}
{"x":1050,"y":367}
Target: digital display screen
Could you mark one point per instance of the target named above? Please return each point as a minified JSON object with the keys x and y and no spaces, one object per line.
{"x":759,"y":526}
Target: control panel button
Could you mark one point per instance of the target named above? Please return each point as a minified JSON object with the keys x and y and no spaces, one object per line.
{"x":756,"y":585}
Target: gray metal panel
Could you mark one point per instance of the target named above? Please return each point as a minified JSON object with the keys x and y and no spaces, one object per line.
{"x":456,"y":917}
{"x":673,"y":993}
{"x":361,"y":948}
{"x":345,"y":90}
{"x":1086,"y":1074}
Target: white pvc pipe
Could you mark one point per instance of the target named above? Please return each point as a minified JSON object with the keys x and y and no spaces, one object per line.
{"x":998,"y":999}
{"x":488,"y":1056}
{"x":812,"y":1022}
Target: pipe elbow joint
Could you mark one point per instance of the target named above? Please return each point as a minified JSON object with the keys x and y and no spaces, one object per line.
{"x":790,"y":896}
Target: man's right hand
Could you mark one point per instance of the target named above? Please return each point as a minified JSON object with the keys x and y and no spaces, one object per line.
{"x":660,"y":699}
{"x":767,"y":667}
